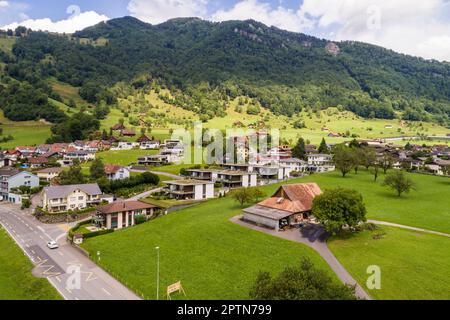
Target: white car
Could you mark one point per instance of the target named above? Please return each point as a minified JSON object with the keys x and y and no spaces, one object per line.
{"x":52,"y":245}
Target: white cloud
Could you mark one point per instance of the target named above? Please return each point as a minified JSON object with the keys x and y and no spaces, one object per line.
{"x":409,"y":26}
{"x":280,"y":16}
{"x":70,"y":25}
{"x":158,"y":11}
{"x":4,"y":4}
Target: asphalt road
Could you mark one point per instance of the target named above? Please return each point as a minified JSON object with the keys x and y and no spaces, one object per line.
{"x":75,"y":276}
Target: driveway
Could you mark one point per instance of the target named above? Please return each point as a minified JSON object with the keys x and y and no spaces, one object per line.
{"x":63,"y":266}
{"x":314,"y":237}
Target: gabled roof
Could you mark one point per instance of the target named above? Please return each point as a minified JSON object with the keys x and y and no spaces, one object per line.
{"x":124,"y":206}
{"x":111,"y":168}
{"x":56,"y":192}
{"x":51,"y":170}
{"x":9,"y":172}
{"x":38,"y":160}
{"x":293,"y":198}
{"x":143,"y":138}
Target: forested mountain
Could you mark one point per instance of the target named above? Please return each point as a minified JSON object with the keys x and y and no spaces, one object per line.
{"x":205,"y":63}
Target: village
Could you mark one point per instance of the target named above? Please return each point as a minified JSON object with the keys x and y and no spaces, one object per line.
{"x":30,"y":177}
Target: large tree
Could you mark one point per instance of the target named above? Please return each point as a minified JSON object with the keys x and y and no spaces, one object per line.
{"x":72,"y":176}
{"x":247,"y":195}
{"x":302,"y":282}
{"x":386,"y":162}
{"x":344,"y":159}
{"x":97,"y":169}
{"x":400,"y":182}
{"x":323,"y":148}
{"x":338,"y":208}
{"x":299,"y":151}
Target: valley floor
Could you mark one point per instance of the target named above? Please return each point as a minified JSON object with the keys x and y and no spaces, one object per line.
{"x":216,"y":259}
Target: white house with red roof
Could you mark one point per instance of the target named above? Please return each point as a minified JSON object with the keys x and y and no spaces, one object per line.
{"x":114,"y":172}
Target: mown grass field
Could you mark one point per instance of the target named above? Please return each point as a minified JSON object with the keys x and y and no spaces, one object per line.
{"x":214,"y":258}
{"x":24,"y":133}
{"x":123,"y":157}
{"x":218,"y":260}
{"x":16,"y":280}
{"x":413,"y":265}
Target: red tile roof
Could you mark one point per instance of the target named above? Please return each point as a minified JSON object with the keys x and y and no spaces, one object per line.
{"x":293,"y":198}
{"x":124,"y":206}
{"x":111,"y":168}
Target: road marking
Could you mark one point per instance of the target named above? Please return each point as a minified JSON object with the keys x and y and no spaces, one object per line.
{"x":60,"y":253}
{"x":41,"y":237}
{"x":106,"y":291}
{"x":58,"y":279}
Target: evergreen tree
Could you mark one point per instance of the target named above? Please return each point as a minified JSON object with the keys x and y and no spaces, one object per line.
{"x":299,"y":151}
{"x":323,"y":148}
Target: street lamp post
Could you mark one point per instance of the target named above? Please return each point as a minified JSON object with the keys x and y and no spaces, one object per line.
{"x":157,"y":274}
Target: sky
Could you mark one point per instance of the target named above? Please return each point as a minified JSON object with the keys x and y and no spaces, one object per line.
{"x":415,"y":27}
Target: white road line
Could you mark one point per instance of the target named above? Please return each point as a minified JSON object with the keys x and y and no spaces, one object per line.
{"x":106,"y":291}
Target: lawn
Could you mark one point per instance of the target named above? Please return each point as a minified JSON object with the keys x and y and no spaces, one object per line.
{"x":124,"y":157}
{"x":24,"y":133}
{"x":413,"y":265}
{"x":213,"y":258}
{"x":16,"y":280}
{"x":427,"y":207}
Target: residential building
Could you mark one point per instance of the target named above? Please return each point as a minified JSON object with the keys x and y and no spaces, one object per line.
{"x":158,"y":160}
{"x":11,"y":178}
{"x":320,"y":163}
{"x":71,"y":197}
{"x":6,"y":161}
{"x":273,"y":172}
{"x":124,"y":145}
{"x":203,"y":174}
{"x":294,"y":164}
{"x":290,"y":205}
{"x":49,"y":174}
{"x":83,"y":156}
{"x":37,"y":162}
{"x":190,"y":189}
{"x":119,"y":215}
{"x":237,"y":179}
{"x":114,"y":172}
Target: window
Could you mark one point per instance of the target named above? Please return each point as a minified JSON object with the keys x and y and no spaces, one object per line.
{"x":81,"y":198}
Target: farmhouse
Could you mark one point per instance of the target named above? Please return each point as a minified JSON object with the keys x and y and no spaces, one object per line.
{"x":190,"y":189}
{"x":290,"y":205}
{"x":49,"y":174}
{"x":71,"y":197}
{"x":114,"y":172}
{"x":119,"y":215}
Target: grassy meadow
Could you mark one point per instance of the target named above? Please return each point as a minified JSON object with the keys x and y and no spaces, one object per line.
{"x":216,"y":259}
{"x":16,"y":280}
{"x":413,"y":265}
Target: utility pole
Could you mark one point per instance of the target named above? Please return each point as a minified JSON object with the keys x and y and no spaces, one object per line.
{"x":157,"y":274}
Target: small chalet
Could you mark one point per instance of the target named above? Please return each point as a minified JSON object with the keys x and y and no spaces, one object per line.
{"x":118,"y":127}
{"x":128,"y":133}
{"x":290,"y":205}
